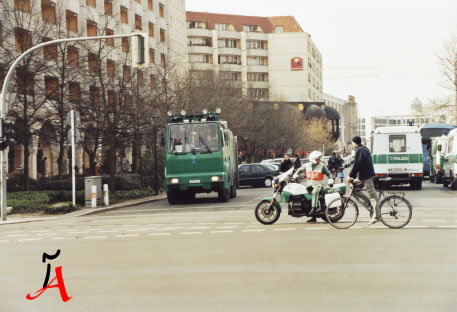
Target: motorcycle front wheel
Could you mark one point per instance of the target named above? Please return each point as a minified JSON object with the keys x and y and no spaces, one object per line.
{"x":267,"y":214}
{"x":342,"y":213}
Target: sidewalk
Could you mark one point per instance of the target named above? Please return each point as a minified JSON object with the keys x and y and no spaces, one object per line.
{"x":23,"y":218}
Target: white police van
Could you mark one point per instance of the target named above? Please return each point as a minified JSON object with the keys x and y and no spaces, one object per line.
{"x":397,"y":154}
{"x":450,"y":161}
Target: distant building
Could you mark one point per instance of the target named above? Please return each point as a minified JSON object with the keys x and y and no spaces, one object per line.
{"x":271,"y":57}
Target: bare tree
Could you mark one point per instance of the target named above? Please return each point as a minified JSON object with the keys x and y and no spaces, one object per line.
{"x":448,"y":62}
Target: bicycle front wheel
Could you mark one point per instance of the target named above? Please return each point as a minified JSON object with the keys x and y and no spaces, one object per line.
{"x":342,"y":213}
{"x":395,"y":211}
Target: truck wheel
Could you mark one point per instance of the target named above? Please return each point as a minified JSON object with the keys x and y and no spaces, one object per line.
{"x":189,"y":196}
{"x":233,"y":190}
{"x":445,"y":181}
{"x":412,"y":185}
{"x":174,"y":197}
{"x":453,"y":183}
{"x":224,"y":195}
{"x":419,"y":185}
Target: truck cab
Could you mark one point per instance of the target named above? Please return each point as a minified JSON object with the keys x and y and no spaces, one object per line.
{"x":450,"y":161}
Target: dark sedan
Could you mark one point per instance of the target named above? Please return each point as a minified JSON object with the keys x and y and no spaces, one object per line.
{"x":256,"y":174}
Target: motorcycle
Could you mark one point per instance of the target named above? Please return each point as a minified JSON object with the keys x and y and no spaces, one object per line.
{"x":298,"y":198}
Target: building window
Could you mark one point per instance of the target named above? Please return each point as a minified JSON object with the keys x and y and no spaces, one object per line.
{"x":150,"y":5}
{"x":163,"y":60}
{"x":230,"y":59}
{"x":228,"y":43}
{"x":127,"y":99}
{"x":138,"y":1}
{"x":252,"y":28}
{"x":22,"y":5}
{"x":92,"y":62}
{"x":151,"y":29}
{"x":230,"y":76}
{"x":110,"y":68}
{"x":199,"y":41}
{"x":111,"y":97}
{"x":257,"y":77}
{"x":23,"y":39}
{"x":94,"y":94}
{"x":125,"y":44}
{"x":279,"y":29}
{"x":91,"y":28}
{"x":255,"y":44}
{"x":72,"y":21}
{"x":196,"y":25}
{"x":74,"y":92}
{"x":257,"y":61}
{"x":124,"y":15}
{"x":109,"y":7}
{"x":161,"y":10}
{"x":162,"y":35}
{"x":221,"y":27}
{"x":140,"y":78}
{"x":48,"y":11}
{"x":26,"y":81}
{"x":91,"y":3}
{"x":109,"y":41}
{"x":200,"y":58}
{"x":50,"y":51}
{"x":255,"y":93}
{"x":126,"y":73}
{"x":152,"y":56}
{"x":138,"y":22}
{"x":153,"y":81}
{"x":73,"y":56}
{"x":51,"y":87}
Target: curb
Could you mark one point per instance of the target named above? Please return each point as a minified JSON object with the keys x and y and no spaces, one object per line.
{"x":90,"y":211}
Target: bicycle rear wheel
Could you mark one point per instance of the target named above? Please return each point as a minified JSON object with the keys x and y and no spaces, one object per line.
{"x":342,"y":213}
{"x":395,"y":211}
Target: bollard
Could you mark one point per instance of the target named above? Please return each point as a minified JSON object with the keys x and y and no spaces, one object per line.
{"x":105,"y":194}
{"x":94,"y":196}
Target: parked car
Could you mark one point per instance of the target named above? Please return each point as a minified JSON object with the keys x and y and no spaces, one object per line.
{"x":273,"y":166}
{"x":347,"y":161}
{"x":256,"y":174}
{"x":325,"y":159}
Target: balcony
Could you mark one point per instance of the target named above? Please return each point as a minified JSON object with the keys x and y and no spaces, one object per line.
{"x":201,"y":66}
{"x":257,"y":69}
{"x":229,"y":51}
{"x":257,"y":52}
{"x":199,"y":50}
{"x":230,"y":67}
{"x":259,"y":84}
{"x":256,"y":36}
{"x":228,"y":34}
{"x":197,"y":32}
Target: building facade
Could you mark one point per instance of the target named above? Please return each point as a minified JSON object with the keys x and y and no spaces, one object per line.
{"x":164,"y":21}
{"x":271,"y":57}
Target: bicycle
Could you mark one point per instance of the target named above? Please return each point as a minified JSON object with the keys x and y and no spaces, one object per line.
{"x":395,"y":211}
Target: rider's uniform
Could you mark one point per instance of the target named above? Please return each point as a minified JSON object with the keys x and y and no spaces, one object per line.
{"x":315,"y":178}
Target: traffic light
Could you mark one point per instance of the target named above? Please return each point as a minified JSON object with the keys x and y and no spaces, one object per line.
{"x":7,"y":132}
{"x":140,"y":50}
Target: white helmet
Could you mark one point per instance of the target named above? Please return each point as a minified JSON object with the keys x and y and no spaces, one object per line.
{"x":313,"y":156}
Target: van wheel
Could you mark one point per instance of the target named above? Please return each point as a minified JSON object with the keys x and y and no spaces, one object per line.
{"x":453,"y":183}
{"x":224,"y":195}
{"x":419,"y":185}
{"x":445,"y":182}
{"x":233,"y":191}
{"x":174,"y":197}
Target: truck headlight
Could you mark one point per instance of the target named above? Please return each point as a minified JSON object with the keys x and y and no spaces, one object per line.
{"x":215,"y":179}
{"x":174,"y":181}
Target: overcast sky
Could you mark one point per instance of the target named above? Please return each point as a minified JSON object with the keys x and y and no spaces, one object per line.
{"x":393,"y":43}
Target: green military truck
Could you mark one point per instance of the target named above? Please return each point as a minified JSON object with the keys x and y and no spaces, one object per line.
{"x":201,"y":157}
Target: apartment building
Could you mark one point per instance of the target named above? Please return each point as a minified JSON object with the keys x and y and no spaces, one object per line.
{"x":163,"y":20}
{"x":271,"y":57}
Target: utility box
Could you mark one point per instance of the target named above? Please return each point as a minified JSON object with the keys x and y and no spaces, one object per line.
{"x":88,"y":182}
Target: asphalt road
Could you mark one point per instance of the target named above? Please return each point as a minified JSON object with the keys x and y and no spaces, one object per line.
{"x":210,"y":256}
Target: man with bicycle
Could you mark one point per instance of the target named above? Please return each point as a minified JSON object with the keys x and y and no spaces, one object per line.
{"x":363,"y":169}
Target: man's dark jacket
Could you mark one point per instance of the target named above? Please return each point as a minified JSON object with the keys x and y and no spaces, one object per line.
{"x":363,"y":164}
{"x":286,"y":165}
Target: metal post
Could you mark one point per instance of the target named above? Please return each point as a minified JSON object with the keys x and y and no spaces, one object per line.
{"x":94,"y":196}
{"x":105,"y":194}
{"x":156,"y":189}
{"x":73,"y":158}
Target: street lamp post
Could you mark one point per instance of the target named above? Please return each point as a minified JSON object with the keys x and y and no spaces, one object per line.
{"x":154,"y":121}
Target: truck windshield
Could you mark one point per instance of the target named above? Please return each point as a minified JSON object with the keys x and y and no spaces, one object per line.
{"x":185,"y":138}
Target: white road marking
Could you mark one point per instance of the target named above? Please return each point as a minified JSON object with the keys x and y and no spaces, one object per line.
{"x":94,"y":237}
{"x":227,"y":227}
{"x":438,"y":212}
{"x":47,"y":234}
{"x":17,"y":235}
{"x":260,"y":230}
{"x":448,"y":226}
{"x":253,"y":226}
{"x":159,"y":234}
{"x":190,"y":233}
{"x":317,"y":228}
{"x":40,"y":231}
{"x":285,"y":229}
{"x":170,"y":229}
{"x":61,"y":238}
{"x":417,"y":226}
{"x":12,"y":232}
{"x":127,"y":235}
{"x":433,"y":220}
{"x":356,"y":227}
{"x":29,"y":239}
{"x":72,"y":230}
{"x":113,"y":231}
{"x":4,"y":241}
{"x":216,"y":232}
{"x":197,"y":228}
{"x":136,"y":230}
{"x":77,"y":232}
{"x":204,"y":223}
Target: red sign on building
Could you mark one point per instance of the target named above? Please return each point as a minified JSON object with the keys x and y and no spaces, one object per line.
{"x":296,"y":63}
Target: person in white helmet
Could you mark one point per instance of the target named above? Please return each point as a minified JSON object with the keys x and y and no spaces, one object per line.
{"x":315,"y":171}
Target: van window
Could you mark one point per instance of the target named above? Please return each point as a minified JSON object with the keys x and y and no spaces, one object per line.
{"x":397,"y":143}
{"x":450,"y":143}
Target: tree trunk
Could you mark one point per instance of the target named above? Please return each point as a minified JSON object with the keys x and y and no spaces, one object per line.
{"x":26,"y":161}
